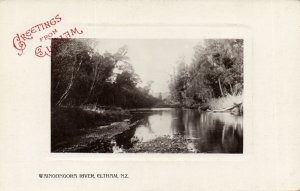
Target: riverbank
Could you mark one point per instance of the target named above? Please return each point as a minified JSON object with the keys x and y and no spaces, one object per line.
{"x":68,"y":123}
{"x":229,"y":103}
{"x":99,"y":140}
{"x":225,"y":102}
{"x":163,"y":144}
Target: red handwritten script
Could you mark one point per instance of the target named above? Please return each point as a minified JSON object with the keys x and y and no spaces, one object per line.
{"x":20,"y":40}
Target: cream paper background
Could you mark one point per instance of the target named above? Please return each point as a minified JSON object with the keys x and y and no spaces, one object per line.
{"x":271,"y":30}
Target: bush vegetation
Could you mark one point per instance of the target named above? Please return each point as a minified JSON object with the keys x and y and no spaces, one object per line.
{"x":81,"y":76}
{"x":216,"y":71}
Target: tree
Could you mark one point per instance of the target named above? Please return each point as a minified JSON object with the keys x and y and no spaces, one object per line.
{"x":159,"y":96}
{"x":215,"y":71}
{"x":68,"y":56}
{"x":147,"y":88}
{"x":81,"y":76}
{"x":179,"y":82}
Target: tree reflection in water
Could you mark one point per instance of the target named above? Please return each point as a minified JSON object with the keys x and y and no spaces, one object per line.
{"x":209,"y":132}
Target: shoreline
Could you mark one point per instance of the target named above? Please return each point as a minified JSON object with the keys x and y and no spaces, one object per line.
{"x":97,"y":140}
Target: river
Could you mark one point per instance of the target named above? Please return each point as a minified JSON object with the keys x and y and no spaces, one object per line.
{"x":208,"y":132}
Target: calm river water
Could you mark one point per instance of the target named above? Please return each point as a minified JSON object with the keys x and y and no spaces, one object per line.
{"x":208,"y":132}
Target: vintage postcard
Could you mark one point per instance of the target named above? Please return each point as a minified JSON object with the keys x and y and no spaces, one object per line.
{"x":149,"y":95}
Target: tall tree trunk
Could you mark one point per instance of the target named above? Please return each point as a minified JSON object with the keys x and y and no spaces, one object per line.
{"x":95,"y":81}
{"x":231,"y":91}
{"x":90,"y":91}
{"x":66,"y":92}
{"x":220,"y":86}
{"x":57,"y":85}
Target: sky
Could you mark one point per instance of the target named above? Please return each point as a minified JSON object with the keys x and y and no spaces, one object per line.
{"x":152,"y":59}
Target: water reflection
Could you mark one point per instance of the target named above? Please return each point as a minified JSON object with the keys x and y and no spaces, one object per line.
{"x":209,"y":132}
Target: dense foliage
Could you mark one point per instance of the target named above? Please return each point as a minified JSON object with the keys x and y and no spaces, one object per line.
{"x":215,"y":71}
{"x":81,"y":76}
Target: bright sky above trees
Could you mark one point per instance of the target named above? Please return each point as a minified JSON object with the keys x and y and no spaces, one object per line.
{"x":152,"y":59}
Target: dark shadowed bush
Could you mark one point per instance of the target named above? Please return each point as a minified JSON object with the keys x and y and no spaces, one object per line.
{"x":69,"y":122}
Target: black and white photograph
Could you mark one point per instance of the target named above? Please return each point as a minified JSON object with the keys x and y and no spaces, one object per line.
{"x":150,"y":95}
{"x":147,"y":95}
